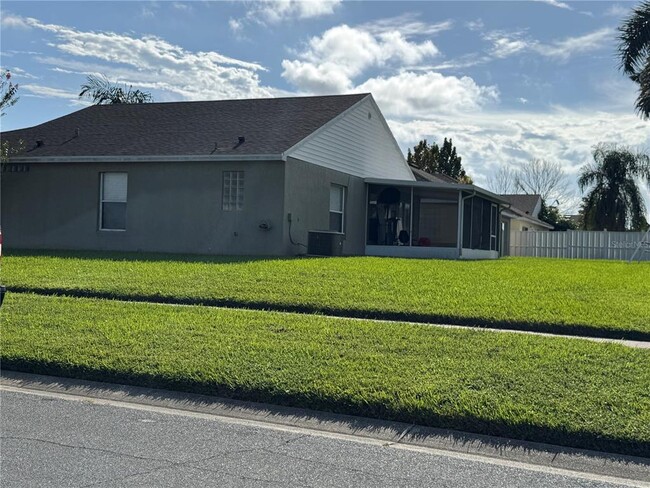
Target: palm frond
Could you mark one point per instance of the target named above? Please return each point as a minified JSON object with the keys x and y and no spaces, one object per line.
{"x":634,"y":36}
{"x":643,"y":78}
{"x":102,"y":92}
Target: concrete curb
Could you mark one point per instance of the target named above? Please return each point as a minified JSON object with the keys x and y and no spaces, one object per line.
{"x":615,"y":465}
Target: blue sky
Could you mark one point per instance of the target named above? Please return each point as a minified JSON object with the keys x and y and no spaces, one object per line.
{"x":508,"y":81}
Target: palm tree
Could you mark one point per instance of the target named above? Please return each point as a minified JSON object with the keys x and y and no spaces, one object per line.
{"x":634,"y":52}
{"x":614,"y":201}
{"x":103,"y":92}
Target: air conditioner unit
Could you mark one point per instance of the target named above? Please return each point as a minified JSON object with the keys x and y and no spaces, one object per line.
{"x":325,"y":243}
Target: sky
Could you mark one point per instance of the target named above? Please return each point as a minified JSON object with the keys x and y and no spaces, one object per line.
{"x":508,"y":81}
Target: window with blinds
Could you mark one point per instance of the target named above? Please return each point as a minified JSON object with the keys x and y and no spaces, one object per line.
{"x":112,"y":201}
{"x":337,"y":208}
{"x":233,"y":190}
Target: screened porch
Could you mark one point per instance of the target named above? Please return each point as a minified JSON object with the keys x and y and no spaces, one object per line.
{"x":436,"y":220}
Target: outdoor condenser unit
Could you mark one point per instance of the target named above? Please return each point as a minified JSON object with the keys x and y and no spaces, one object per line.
{"x":324,"y":243}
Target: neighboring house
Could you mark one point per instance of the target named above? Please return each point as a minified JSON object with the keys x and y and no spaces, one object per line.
{"x":522,"y":215}
{"x":250,"y":177}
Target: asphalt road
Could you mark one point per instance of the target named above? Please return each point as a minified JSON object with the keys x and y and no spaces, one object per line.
{"x":51,"y":440}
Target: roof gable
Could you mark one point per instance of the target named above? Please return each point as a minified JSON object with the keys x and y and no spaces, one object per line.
{"x":268,"y":126}
{"x":528,"y":204}
{"x":357,"y":142}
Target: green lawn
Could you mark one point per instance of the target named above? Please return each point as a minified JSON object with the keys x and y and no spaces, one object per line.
{"x":600,"y":298}
{"x":563,"y":391}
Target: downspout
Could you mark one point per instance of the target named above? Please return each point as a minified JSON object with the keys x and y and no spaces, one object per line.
{"x":365,"y":234}
{"x":411,"y":220}
{"x":461,"y":219}
{"x":501,"y":208}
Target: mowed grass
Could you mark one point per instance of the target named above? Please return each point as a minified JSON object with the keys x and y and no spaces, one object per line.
{"x":600,"y":298}
{"x":564,"y":391}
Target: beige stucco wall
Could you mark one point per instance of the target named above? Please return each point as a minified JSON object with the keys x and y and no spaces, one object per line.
{"x":517,"y":225}
{"x":307,"y":193}
{"x":171,"y":207}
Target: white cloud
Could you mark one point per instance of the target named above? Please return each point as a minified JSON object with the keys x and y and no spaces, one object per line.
{"x":235,"y":25}
{"x":558,"y":4}
{"x":40,"y":91}
{"x":183,"y":7}
{"x":465,"y":61}
{"x":570,"y":46}
{"x":13,"y":21}
{"x":274,"y":12}
{"x":332,"y":61}
{"x":277,"y":11}
{"x":617,"y":10}
{"x":153,"y":63}
{"x":522,"y":100}
{"x":475,"y":25}
{"x":341,"y":59}
{"x":411,"y":94}
{"x":407,"y":24}
{"x":486,"y":140}
{"x":148,"y":10}
{"x":505,"y":44}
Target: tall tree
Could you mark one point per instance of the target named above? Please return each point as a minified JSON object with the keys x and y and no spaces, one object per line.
{"x":434,"y":159}
{"x":424,"y":156}
{"x":8,"y":92}
{"x":614,"y":201}
{"x":104,"y":92}
{"x":538,"y":177}
{"x":551,"y":215}
{"x":545,"y":178}
{"x":449,"y":163}
{"x":634,"y":53}
{"x":502,"y":181}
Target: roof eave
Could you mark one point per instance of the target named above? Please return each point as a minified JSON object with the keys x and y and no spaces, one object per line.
{"x":149,"y":159}
{"x":439,"y":186}
{"x":529,"y":219}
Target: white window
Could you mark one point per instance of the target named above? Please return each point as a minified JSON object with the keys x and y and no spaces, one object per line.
{"x":233,"y":190}
{"x":337,"y":208}
{"x":112,"y":201}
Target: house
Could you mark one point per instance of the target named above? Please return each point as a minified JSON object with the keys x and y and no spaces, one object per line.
{"x":248,"y":177}
{"x":522,"y":215}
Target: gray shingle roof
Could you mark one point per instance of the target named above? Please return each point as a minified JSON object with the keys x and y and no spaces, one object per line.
{"x":269,"y":125}
{"x":525,"y":203}
{"x":421,"y":175}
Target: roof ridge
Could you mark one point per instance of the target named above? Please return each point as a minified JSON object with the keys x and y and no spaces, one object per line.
{"x":224,"y":100}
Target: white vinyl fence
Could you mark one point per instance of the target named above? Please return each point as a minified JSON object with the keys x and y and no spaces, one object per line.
{"x":581,"y":244}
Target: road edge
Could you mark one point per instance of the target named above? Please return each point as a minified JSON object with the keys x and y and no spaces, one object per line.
{"x":391,"y":432}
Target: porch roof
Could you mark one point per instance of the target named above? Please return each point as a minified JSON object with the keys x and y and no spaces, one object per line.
{"x":440,"y":186}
